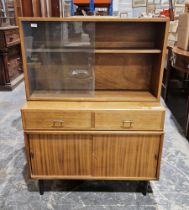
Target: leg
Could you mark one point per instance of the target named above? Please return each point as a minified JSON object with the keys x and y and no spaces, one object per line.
{"x":145,"y":188}
{"x":41,"y":186}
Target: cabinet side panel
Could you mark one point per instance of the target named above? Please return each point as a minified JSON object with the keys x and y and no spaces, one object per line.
{"x":60,"y":154}
{"x":160,"y":156}
{"x":24,"y":60}
{"x":158,"y":67}
{"x":27,"y":153}
{"x":126,"y":156}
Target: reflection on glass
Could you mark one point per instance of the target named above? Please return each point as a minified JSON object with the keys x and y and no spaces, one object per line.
{"x":60,"y":57}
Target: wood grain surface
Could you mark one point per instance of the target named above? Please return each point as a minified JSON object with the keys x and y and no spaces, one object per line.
{"x":129,"y":156}
{"x":60,"y":154}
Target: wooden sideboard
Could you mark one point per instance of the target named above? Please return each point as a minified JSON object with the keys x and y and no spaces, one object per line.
{"x":93,"y":98}
{"x":11,"y":73}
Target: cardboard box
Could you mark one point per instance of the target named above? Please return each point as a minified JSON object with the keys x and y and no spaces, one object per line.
{"x":183,"y":32}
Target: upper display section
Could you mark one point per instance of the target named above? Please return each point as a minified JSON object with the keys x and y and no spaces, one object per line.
{"x":109,"y":59}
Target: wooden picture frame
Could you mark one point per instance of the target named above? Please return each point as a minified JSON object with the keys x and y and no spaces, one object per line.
{"x":150,"y":2}
{"x":157,"y":1}
{"x":164,"y":3}
{"x":139,"y":3}
{"x":180,"y":3}
{"x":179,"y":10}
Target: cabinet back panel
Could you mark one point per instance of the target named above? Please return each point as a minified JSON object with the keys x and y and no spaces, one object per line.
{"x":123,"y":71}
{"x":121,"y":35}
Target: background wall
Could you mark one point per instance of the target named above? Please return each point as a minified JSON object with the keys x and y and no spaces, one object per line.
{"x":126,"y":5}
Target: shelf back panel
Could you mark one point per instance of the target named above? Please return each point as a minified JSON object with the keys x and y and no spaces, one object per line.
{"x":133,"y":35}
{"x":123,"y":71}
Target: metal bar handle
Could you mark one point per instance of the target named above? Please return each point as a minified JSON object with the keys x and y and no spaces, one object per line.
{"x":58,"y":123}
{"x":127,"y":123}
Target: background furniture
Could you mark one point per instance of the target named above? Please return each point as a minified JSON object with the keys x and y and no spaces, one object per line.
{"x":176,"y":83}
{"x":91,"y":5}
{"x":86,"y":117}
{"x":43,"y":8}
{"x":11,"y":73}
{"x":7,"y":10}
{"x":62,"y":8}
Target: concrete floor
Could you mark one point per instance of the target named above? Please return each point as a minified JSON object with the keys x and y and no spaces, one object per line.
{"x":17,"y":192}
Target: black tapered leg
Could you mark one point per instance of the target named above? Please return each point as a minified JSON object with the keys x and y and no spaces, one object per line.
{"x":145,"y":187}
{"x":41,"y":186}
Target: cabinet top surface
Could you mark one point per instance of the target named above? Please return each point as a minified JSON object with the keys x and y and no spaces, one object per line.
{"x":39,"y":105}
{"x":8,"y":28}
{"x":96,"y":19}
{"x":182,"y":52}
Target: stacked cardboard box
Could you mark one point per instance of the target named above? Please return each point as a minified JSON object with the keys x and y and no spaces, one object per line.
{"x":183,"y":32}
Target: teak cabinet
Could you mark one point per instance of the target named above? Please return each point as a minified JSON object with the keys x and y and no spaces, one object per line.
{"x":93,"y":97}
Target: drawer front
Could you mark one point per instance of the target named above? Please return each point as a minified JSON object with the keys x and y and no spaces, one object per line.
{"x":11,"y":36}
{"x":14,"y":62}
{"x":58,"y":120}
{"x":180,"y":61}
{"x":130,"y":120}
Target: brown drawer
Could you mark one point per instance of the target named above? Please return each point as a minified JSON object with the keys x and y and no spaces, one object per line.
{"x":12,"y":37}
{"x":130,"y":120}
{"x":179,"y":61}
{"x":14,"y":62}
{"x":56,"y":120}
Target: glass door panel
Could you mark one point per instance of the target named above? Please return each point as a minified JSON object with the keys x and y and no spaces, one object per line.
{"x":60,"y":58}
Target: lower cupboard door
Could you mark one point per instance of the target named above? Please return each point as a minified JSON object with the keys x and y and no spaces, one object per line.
{"x":60,"y":155}
{"x":126,"y":156}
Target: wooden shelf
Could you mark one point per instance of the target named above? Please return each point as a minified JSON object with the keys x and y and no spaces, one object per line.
{"x":98,"y":96}
{"x":67,"y":105}
{"x":98,"y":51}
{"x":59,"y":50}
{"x":129,"y":51}
{"x":97,"y":19}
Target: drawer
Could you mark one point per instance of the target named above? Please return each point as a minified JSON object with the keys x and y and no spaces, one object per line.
{"x":12,"y":37}
{"x":130,"y":120}
{"x":56,"y":120}
{"x":179,"y":61}
{"x":14,"y":62}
